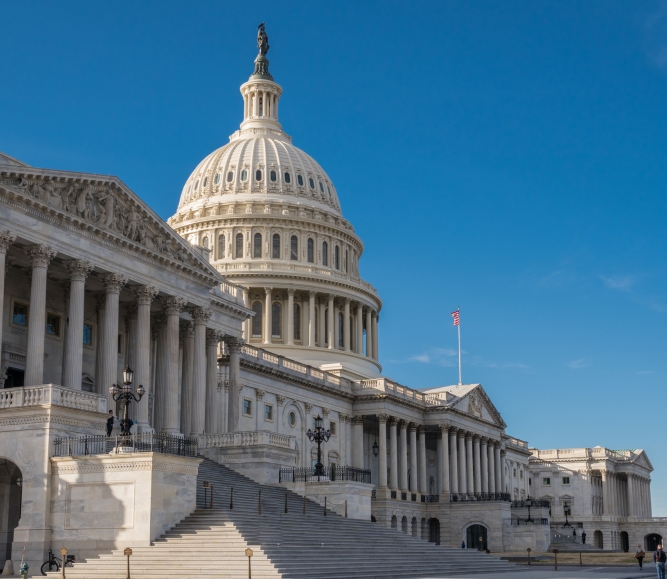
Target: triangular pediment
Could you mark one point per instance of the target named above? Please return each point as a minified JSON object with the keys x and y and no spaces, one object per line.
{"x":641,"y":459}
{"x":7,"y":160}
{"x":103,"y":206}
{"x":475,"y":402}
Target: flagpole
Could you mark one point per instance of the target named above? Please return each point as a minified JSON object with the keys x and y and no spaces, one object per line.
{"x":459,"y":329}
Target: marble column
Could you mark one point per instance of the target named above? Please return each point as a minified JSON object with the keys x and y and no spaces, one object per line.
{"x":413,"y":457}
{"x":346,"y":325}
{"x":78,"y":270}
{"x":142,"y":373}
{"x":444,"y":460}
{"x":477,"y":463}
{"x":382,"y":456}
{"x":422,"y":483}
{"x":269,"y":315}
{"x":6,"y":239}
{"x":470,"y":483}
{"x":200,"y":316}
{"x":463,"y":467}
{"x":212,"y":402}
{"x":369,"y":334}
{"x":321,"y":323}
{"x":247,"y":328}
{"x":187,"y":332}
{"x":605,"y":492}
{"x":311,"y":319}
{"x":503,"y":486}
{"x":393,"y":456}
{"x":499,"y":468}
{"x":101,"y":303}
{"x":492,"y":467}
{"x":290,"y":317}
{"x":360,"y":329}
{"x":161,"y":370}
{"x":113,"y":282}
{"x":330,"y":323}
{"x":348,"y":438}
{"x":259,"y":414}
{"x":454,"y":459}
{"x":484,"y":465}
{"x":374,"y":326}
{"x":170,"y":410}
{"x":234,"y":345}
{"x":403,"y":456}
{"x":40,"y":257}
{"x":358,"y":442}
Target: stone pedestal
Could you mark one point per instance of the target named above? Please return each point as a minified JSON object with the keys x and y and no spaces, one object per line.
{"x":357,"y":495}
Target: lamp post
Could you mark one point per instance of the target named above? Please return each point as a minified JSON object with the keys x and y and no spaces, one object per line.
{"x":567,"y":512}
{"x":376,"y":449}
{"x":319,"y":435}
{"x":529,"y":503}
{"x":125,"y":394}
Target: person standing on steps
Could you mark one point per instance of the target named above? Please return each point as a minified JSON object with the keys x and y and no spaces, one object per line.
{"x":659,"y":558}
{"x":463,"y":545}
{"x":583,"y":538}
{"x":639,"y":555}
{"x":110,"y":422}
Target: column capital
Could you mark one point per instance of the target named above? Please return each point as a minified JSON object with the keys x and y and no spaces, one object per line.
{"x":476,"y":437}
{"x":308,"y":406}
{"x":78,"y":269}
{"x":280,"y":400}
{"x":347,"y":301}
{"x":6,"y":239}
{"x":444,"y":428}
{"x":402,"y":424}
{"x":291,"y":291}
{"x":312,"y":293}
{"x":131,"y":311}
{"x":186,"y":330}
{"x":212,"y":337}
{"x":145,"y":294}
{"x":412,"y":427}
{"x":173,"y":305}
{"x":383,"y":418}
{"x":469,"y":435}
{"x":421,"y":429}
{"x":453,"y":431}
{"x":331,"y":297}
{"x":259,"y":393}
{"x":268,"y":290}
{"x":358,"y":419}
{"x":113,"y":282}
{"x":484,"y":440}
{"x":234,"y":344}
{"x":462,"y":433}
{"x":200,"y":315}
{"x":374,"y":314}
{"x":41,"y":254}
{"x":325,"y":411}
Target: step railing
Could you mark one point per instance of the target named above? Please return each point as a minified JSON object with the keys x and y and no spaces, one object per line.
{"x":144,"y":442}
{"x":248,"y":438}
{"x":333,"y":473}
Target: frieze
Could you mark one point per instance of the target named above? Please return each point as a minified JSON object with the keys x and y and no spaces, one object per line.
{"x":88,"y":466}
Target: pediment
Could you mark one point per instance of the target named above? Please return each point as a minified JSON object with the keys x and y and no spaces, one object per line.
{"x":641,"y":459}
{"x":106,"y":207}
{"x":477,"y":404}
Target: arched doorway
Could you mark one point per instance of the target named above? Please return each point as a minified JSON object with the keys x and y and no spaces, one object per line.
{"x":652,"y":541}
{"x":434,"y":531}
{"x":476,"y":537}
{"x":597,"y":540}
{"x":10,"y":506}
{"x":625,"y":541}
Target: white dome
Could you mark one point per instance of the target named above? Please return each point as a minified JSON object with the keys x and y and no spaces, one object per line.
{"x":259,"y":164}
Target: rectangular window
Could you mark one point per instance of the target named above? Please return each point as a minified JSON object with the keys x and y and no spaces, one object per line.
{"x":268,"y":412}
{"x":332,"y":427}
{"x":52,"y":325}
{"x":247,"y":407}
{"x":20,"y":315}
{"x":546,"y":482}
{"x":521,"y":474}
{"x":566,"y":480}
{"x":514,"y":473}
{"x":87,"y":334}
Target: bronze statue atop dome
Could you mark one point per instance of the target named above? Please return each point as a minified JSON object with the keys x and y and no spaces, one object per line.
{"x":262,"y":39}
{"x":261,"y":62}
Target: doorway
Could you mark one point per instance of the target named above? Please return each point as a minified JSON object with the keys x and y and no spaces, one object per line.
{"x":11,"y":481}
{"x":652,"y":541}
{"x":625,"y":542}
{"x":476,"y":537}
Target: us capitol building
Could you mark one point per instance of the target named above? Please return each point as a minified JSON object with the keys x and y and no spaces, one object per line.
{"x":245,"y":318}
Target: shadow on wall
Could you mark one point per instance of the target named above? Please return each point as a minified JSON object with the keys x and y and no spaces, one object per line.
{"x":10,"y":506}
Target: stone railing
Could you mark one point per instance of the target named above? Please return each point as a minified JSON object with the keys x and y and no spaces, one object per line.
{"x":52,"y":394}
{"x":233,"y":290}
{"x":584,"y":453}
{"x":251,"y":438}
{"x":516,"y":442}
{"x":389,"y":387}
{"x":305,"y":371}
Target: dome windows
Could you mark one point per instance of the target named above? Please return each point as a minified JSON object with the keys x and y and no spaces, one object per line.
{"x":244,"y":175}
{"x":257,"y":320}
{"x":294,"y":248}
{"x":310,"y":182}
{"x":329,"y":191}
{"x":297,"y":322}
{"x":239,"y":245}
{"x":276,"y":246}
{"x":257,"y":246}
{"x":273,"y":176}
{"x":321,"y":187}
{"x":325,"y":253}
{"x":299,"y":180}
{"x":205,"y":181}
{"x":221,"y":247}
{"x":337,"y":257}
{"x":197,"y":184}
{"x":311,"y":250}
{"x":216,"y":179}
{"x":230,"y":176}
{"x":288,"y":177}
{"x":276,"y":320}
{"x":291,"y":419}
{"x":258,"y":175}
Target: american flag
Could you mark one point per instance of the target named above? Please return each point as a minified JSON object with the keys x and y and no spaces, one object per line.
{"x":457,"y":317}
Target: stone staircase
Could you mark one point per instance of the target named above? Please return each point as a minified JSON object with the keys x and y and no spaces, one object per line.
{"x":212,"y":542}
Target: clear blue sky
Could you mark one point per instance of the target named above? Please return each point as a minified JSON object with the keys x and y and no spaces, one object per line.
{"x":505,"y":157}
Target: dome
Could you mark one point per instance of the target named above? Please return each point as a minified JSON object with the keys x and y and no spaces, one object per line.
{"x":256,"y":165}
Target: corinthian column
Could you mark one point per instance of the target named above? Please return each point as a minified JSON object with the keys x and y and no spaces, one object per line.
{"x":469,"y":464}
{"x":311,"y":319}
{"x":403,"y":456}
{"x":422,"y":484}
{"x":198,"y":421}
{"x":144,"y":295}
{"x":463,"y":470}
{"x":499,"y":469}
{"x":346,"y":326}
{"x":477,"y":463}
{"x":212,"y":402}
{"x":40,"y":256}
{"x":382,"y":456}
{"x":393,"y":455}
{"x":234,"y":345}
{"x":374,"y":325}
{"x":269,"y":317}
{"x":492,"y":467}
{"x":171,"y":412}
{"x":358,"y":443}
{"x":444,"y":461}
{"x":360,"y":329}
{"x":413,"y":457}
{"x":290,"y":317}
{"x":113,"y":282}
{"x":330,"y":322}
{"x":78,"y":272}
{"x":485,"y":465}
{"x":454,"y":459}
{"x":186,"y":380}
{"x":6,"y":239}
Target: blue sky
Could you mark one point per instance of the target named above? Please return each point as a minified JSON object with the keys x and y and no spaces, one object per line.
{"x":505,"y":157}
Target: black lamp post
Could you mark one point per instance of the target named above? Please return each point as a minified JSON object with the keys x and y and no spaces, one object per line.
{"x":319,"y":435}
{"x":125,"y":394}
{"x":376,"y":449}
{"x":529,"y":503}
{"x":567,"y":523}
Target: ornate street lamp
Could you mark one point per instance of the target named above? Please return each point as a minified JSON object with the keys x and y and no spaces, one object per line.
{"x":376,"y":449}
{"x":529,"y":503}
{"x":567,"y":512}
{"x":319,"y":435}
{"x":125,"y":394}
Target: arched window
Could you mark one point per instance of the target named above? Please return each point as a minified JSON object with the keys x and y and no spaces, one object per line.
{"x":340,"y":329}
{"x":276,"y":246}
{"x":230,"y":176}
{"x":299,"y":179}
{"x":273,"y":176}
{"x":337,"y":257}
{"x":297,"y":322}
{"x":258,"y":175}
{"x":321,"y":188}
{"x":329,"y":190}
{"x":244,"y":175}
{"x":276,"y":320}
{"x":205,"y":243}
{"x":288,"y":177}
{"x":325,"y":253}
{"x":257,"y":246}
{"x":326,"y":326}
{"x":345,"y":262}
{"x":205,"y":181}
{"x":257,"y":320}
{"x":216,"y":180}
{"x":221,"y":247}
{"x":311,"y":251}
{"x":310,"y":182}
{"x":239,"y":245}
{"x":294,"y":247}
{"x":197,"y":184}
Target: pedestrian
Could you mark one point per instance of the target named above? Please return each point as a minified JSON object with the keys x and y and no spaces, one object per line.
{"x":574,"y":535}
{"x":110,"y":422}
{"x":659,"y":558}
{"x":583,"y":538}
{"x":639,"y":555}
{"x":463,"y":545}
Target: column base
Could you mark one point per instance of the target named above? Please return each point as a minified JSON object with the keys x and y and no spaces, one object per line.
{"x":383,"y":493}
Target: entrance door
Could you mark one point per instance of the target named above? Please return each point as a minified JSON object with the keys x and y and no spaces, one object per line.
{"x":434,"y":531}
{"x":476,"y":537}
{"x":652,"y":541}
{"x":625,"y":542}
{"x":10,"y":506}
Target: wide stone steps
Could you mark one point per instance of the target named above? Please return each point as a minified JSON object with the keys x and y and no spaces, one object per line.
{"x":212,"y":542}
